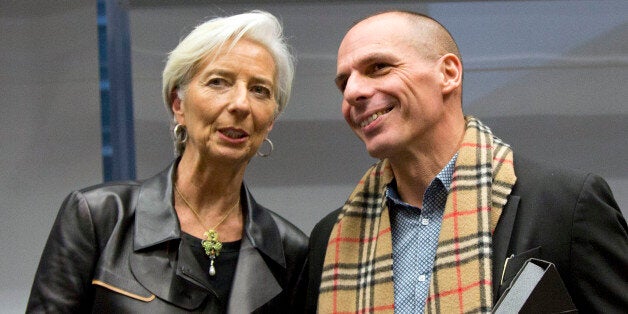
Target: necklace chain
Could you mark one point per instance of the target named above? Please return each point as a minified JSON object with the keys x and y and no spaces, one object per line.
{"x":198,"y":217}
{"x":212,"y":245}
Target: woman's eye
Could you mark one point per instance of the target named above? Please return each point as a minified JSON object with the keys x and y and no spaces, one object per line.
{"x":261,"y":90}
{"x":217,"y":81}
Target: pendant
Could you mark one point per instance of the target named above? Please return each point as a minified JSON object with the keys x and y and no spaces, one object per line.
{"x":212,"y":269}
{"x":212,"y":248}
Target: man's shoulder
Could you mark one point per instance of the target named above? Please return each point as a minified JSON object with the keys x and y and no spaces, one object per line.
{"x":328,"y":221}
{"x":534,"y":172}
{"x":321,"y":231}
{"x":543,"y":183}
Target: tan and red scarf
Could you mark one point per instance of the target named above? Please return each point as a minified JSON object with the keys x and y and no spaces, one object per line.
{"x":358,"y":274}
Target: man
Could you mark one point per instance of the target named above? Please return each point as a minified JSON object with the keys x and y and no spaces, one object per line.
{"x":449,"y":215}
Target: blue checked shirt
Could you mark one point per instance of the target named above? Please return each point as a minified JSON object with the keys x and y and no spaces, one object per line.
{"x":415,"y":238}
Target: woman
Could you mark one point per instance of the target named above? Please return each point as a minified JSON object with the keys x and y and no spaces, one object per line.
{"x":191,"y":238}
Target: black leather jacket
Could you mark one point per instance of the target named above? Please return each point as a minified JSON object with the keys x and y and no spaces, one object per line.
{"x":115,"y":248}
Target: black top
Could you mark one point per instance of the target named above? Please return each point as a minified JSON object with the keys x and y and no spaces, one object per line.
{"x":225,"y":264}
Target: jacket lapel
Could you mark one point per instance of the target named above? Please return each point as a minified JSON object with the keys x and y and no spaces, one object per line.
{"x":156,"y":245}
{"x":254,"y":283}
{"x":156,"y":248}
{"x":262,"y":231}
{"x":501,"y":240}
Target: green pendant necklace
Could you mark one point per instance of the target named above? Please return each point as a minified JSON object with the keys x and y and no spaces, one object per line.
{"x":212,"y":244}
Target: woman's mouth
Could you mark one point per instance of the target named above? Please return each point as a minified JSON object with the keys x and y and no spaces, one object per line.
{"x":374,"y":116}
{"x":234,"y":133}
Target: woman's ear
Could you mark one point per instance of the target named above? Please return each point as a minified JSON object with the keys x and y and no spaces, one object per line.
{"x":270,"y":126}
{"x":451,"y":73}
{"x":177,"y":107}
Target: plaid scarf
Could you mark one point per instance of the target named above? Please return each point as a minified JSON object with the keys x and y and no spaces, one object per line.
{"x":358,"y":270}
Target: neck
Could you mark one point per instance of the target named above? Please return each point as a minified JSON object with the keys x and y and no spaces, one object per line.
{"x":206,"y":186}
{"x":416,"y":168}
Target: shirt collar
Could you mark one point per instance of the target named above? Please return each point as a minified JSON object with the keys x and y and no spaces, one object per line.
{"x":445,"y":177}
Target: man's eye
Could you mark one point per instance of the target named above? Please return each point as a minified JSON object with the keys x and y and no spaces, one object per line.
{"x":261,"y":90}
{"x":342,"y":85}
{"x":380,"y":66}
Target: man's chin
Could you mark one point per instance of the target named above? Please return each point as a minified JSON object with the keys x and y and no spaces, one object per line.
{"x":377,"y":151}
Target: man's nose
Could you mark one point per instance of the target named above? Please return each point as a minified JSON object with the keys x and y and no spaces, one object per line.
{"x":357,"y":90}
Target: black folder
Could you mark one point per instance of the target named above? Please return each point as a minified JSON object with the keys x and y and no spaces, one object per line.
{"x":537,"y":288}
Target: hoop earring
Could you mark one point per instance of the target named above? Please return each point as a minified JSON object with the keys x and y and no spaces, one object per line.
{"x":269,"y":152}
{"x":180,"y":133}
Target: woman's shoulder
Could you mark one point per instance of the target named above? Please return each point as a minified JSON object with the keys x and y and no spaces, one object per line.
{"x":294,"y":241}
{"x":126,"y":189}
{"x":101,"y":195}
{"x":288,"y":230}
{"x":103,"y":206}
{"x":289,"y":233}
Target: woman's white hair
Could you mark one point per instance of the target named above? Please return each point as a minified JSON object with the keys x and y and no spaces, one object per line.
{"x":210,"y":37}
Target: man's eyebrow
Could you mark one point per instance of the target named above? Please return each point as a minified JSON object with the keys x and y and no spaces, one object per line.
{"x":376,"y":57}
{"x":371,"y":58}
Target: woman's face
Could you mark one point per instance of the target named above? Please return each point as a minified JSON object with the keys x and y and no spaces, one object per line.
{"x":229,"y":107}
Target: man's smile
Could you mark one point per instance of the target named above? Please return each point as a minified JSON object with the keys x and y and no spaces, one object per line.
{"x":369,"y":119}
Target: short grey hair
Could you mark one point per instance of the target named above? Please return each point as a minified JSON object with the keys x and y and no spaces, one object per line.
{"x":209,"y":37}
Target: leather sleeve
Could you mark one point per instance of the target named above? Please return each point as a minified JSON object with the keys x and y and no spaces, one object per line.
{"x":62,"y":283}
{"x":599,"y":252}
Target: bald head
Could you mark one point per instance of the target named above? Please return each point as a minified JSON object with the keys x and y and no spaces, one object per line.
{"x":429,"y":36}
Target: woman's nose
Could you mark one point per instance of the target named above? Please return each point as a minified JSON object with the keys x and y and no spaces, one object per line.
{"x":240,"y":99}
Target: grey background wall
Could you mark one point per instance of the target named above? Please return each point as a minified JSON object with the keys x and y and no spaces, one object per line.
{"x":548,"y":76}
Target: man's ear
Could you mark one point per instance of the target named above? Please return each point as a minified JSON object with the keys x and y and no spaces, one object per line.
{"x":177,"y":107}
{"x":451,"y":73}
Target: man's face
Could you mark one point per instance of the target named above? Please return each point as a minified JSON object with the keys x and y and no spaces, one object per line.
{"x":391,"y":89}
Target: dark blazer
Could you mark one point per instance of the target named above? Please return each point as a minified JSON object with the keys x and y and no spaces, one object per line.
{"x":114,"y":248}
{"x":567,"y":218}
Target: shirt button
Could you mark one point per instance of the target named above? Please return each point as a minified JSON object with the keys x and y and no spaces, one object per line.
{"x":422,"y":278}
{"x":425,"y":221}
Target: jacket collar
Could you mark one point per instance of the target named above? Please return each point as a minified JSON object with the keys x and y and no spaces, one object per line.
{"x":156,"y":220}
{"x":156,"y":249}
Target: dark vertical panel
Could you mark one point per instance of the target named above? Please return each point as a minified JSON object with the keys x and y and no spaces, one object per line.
{"x":118,"y":144}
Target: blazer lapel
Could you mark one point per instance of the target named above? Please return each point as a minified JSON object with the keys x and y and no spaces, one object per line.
{"x":501,"y":240}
